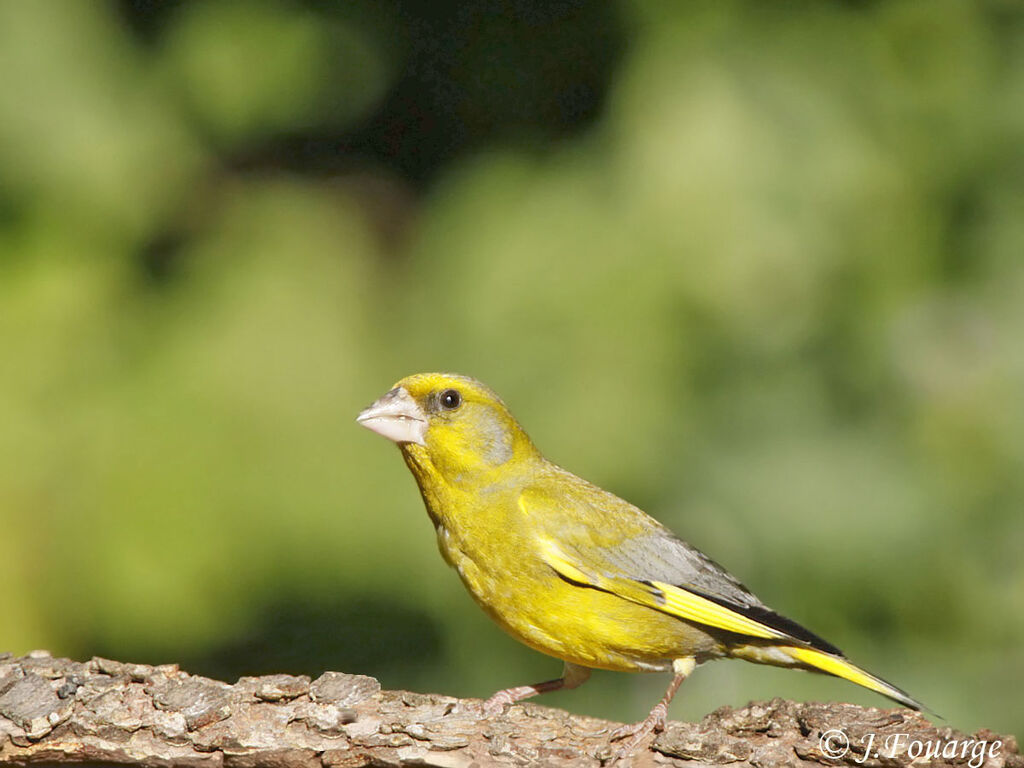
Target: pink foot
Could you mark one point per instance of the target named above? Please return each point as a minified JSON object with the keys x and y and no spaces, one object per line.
{"x":638,"y":733}
{"x":495,"y":705}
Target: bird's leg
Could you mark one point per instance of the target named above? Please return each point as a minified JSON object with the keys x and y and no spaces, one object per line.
{"x":655,"y":721}
{"x":572,"y":677}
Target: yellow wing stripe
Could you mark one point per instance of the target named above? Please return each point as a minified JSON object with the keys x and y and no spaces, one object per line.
{"x":692,"y":607}
{"x":554,"y":557}
{"x":670,"y":599}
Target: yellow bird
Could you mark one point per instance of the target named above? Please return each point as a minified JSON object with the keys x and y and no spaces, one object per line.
{"x":572,"y":570}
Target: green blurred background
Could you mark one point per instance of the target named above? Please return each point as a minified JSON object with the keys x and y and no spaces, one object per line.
{"x":757,"y":267}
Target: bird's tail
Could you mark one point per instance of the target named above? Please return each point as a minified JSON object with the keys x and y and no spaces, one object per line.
{"x":840,"y":667}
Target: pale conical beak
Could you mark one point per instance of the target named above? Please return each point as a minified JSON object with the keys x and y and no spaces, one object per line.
{"x":397,"y":417}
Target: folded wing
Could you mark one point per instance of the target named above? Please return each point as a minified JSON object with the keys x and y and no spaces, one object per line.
{"x":655,"y":569}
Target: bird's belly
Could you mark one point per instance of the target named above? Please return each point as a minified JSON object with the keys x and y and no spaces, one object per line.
{"x":580,"y":625}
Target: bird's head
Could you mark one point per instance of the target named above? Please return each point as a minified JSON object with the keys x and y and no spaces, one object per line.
{"x":455,"y":423}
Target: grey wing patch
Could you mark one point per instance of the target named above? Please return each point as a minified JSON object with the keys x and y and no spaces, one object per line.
{"x":657,"y":555}
{"x":660,"y":556}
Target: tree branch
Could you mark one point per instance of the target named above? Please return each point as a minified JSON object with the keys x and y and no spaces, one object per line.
{"x":56,"y":711}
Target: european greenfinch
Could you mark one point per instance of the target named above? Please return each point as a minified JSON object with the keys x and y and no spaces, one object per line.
{"x":572,"y":570}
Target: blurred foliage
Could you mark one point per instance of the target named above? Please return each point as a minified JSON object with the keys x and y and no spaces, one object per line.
{"x":757,"y":267}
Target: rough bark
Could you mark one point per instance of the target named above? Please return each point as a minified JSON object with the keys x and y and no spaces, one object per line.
{"x":57,"y":711}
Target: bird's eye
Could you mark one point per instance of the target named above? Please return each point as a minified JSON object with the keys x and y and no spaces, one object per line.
{"x":450,"y":399}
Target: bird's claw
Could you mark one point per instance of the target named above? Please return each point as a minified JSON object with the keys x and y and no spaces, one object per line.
{"x":495,"y":705}
{"x":639,"y":730}
{"x":637,"y":733}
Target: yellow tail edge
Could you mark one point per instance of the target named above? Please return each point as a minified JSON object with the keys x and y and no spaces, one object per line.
{"x":840,"y":667}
